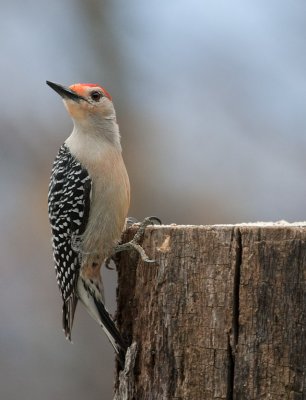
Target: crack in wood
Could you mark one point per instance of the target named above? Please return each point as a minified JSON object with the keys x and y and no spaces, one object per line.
{"x":233,"y":339}
{"x":236,"y":289}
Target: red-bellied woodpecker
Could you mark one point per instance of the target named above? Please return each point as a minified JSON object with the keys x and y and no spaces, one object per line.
{"x":89,"y":196}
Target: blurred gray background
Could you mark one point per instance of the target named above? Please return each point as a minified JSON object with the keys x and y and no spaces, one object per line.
{"x":210,"y":99}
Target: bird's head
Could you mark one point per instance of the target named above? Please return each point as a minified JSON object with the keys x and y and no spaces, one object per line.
{"x":87,"y":103}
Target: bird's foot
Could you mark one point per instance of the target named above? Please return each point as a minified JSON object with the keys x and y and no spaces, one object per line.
{"x":134,"y":243}
{"x":131,"y":221}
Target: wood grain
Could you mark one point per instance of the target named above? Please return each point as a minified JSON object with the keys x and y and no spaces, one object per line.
{"x":221,"y":315}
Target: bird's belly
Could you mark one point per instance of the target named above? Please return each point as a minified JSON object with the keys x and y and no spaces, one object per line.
{"x":109,"y":207}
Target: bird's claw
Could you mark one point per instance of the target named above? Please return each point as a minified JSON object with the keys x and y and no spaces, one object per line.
{"x":107,"y":263}
{"x":152,"y":219}
{"x":147,"y":221}
{"x":131,"y":221}
{"x":134,"y":243}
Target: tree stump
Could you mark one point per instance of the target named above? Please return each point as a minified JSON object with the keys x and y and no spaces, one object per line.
{"x":220,"y":315}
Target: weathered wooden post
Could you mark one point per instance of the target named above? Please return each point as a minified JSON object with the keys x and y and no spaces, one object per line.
{"x":221,"y":315}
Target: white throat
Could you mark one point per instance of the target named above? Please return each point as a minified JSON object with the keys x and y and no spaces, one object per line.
{"x":88,"y":143}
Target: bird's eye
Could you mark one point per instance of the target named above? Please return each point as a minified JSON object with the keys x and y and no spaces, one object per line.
{"x":96,"y":96}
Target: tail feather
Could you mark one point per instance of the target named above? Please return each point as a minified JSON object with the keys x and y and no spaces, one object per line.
{"x":69,"y":307}
{"x":97,"y":310}
{"x":112,"y":332}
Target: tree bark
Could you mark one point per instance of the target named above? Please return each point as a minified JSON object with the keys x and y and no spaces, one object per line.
{"x":220,"y":315}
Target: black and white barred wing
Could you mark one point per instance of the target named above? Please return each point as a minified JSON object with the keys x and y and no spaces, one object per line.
{"x":69,"y":204}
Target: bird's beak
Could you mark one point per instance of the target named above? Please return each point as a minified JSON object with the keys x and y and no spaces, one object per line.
{"x":65,"y":92}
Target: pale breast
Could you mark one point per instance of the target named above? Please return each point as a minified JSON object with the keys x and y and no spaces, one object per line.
{"x":108,"y":212}
{"x":110,"y":200}
{"x":110,"y":195}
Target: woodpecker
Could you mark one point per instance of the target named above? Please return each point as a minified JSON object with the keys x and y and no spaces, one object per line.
{"x":88,"y":201}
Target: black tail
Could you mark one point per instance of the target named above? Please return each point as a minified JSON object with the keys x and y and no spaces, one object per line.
{"x":69,"y":307}
{"x":120,"y":345}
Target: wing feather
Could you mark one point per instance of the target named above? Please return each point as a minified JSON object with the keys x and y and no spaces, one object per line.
{"x":69,"y":206}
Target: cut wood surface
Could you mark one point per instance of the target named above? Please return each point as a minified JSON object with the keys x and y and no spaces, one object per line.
{"x":220,"y":315}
